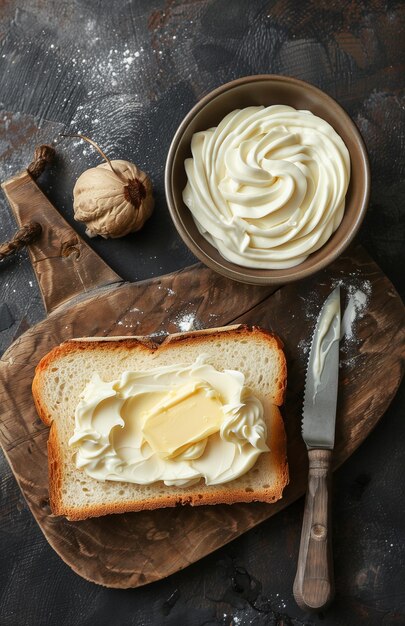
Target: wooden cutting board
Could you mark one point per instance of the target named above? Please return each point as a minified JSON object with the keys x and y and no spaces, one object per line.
{"x":84,"y":297}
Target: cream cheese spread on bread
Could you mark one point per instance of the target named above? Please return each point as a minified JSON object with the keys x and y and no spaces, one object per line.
{"x":267,"y":186}
{"x":177,"y":424}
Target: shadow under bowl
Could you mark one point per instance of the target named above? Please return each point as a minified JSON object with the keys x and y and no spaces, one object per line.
{"x":254,"y":91}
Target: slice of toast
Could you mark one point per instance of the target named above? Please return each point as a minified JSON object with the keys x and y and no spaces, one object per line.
{"x":62,"y":374}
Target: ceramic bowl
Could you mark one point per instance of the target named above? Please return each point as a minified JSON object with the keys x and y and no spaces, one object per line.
{"x":266,"y":90}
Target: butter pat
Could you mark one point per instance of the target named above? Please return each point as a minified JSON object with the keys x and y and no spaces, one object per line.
{"x":176,"y":423}
{"x":186,"y":416}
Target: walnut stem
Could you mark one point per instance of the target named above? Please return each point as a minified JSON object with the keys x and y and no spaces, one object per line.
{"x":99,"y":150}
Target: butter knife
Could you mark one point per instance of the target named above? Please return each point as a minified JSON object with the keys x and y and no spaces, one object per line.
{"x":314,"y":584}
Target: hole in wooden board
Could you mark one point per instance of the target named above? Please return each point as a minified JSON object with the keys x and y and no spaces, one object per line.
{"x":70,"y":247}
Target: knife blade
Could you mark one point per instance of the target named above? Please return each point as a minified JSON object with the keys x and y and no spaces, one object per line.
{"x":313,"y":585}
{"x":321,"y":383}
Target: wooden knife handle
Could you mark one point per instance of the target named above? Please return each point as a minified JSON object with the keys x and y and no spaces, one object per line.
{"x":314,"y":585}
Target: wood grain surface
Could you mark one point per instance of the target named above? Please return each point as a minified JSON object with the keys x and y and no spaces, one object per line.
{"x":126,"y":73}
{"x":133,"y":549}
{"x":65,"y":266}
{"x":313,"y":585}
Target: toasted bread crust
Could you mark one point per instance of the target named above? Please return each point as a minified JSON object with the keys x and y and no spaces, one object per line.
{"x":196,"y":495}
{"x":240,"y":331}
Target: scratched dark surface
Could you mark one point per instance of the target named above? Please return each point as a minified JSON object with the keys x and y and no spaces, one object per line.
{"x":126,"y":73}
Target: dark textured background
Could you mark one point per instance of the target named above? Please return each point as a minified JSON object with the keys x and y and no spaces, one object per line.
{"x":126,"y":73}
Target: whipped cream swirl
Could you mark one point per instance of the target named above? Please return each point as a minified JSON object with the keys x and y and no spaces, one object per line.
{"x":108,"y":439}
{"x":267,"y":186}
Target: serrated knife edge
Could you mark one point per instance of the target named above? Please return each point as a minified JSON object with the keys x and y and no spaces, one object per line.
{"x":321,"y":379}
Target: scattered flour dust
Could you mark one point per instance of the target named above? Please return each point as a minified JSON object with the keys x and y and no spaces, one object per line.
{"x":355,"y":309}
{"x":159,"y":334}
{"x":355,"y":295}
{"x":186,"y":322}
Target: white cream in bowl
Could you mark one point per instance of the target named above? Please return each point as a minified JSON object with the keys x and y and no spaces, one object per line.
{"x":267,"y":186}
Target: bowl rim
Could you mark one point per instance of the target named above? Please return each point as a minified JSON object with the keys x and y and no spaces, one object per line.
{"x":243,"y":274}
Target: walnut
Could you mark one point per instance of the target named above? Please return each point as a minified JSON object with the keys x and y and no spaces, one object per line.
{"x":113,"y":199}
